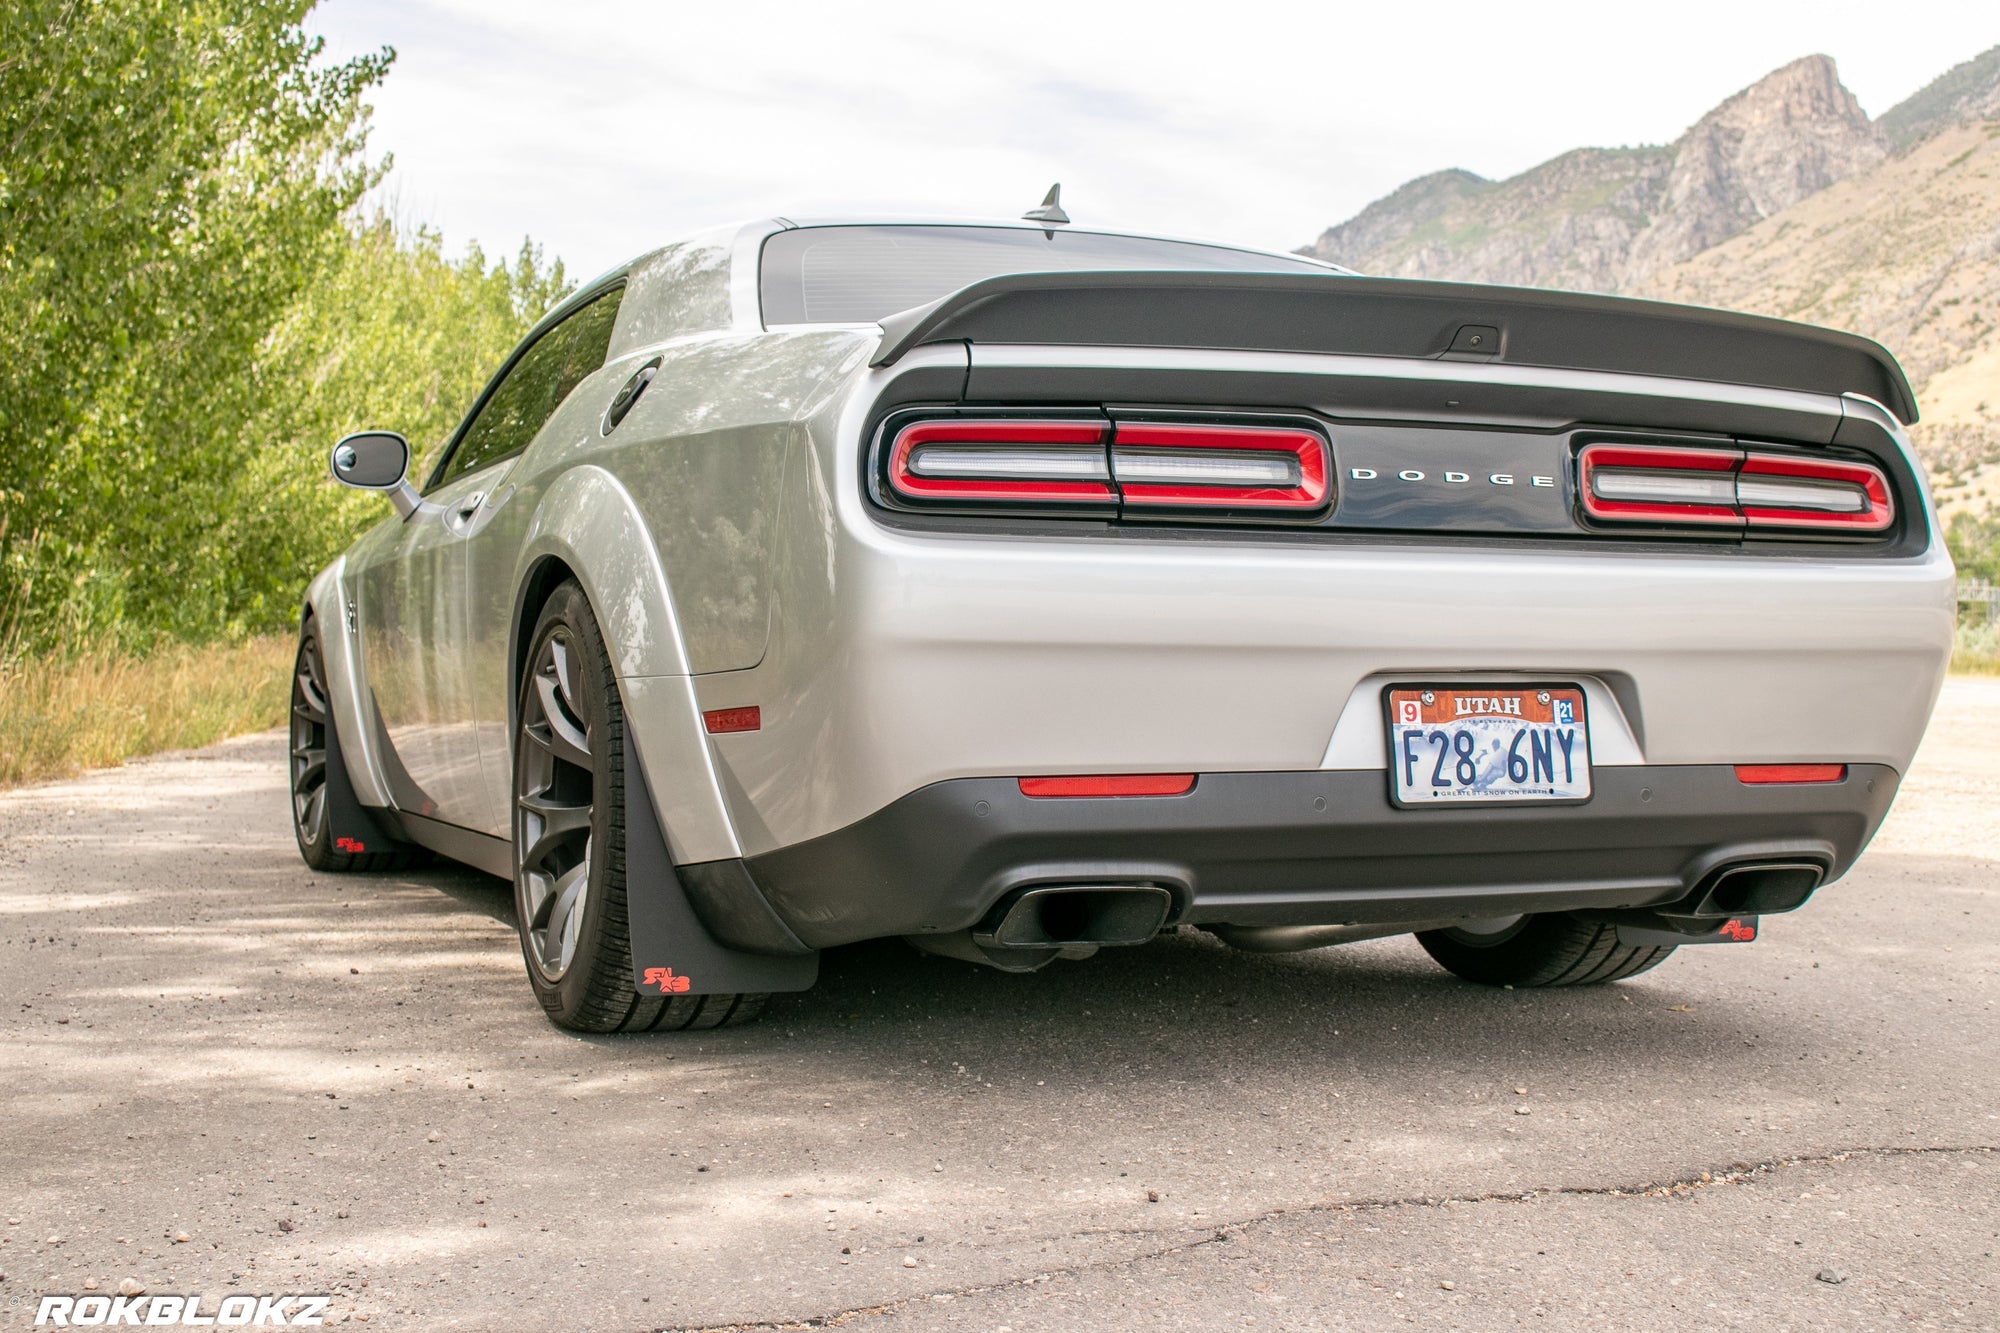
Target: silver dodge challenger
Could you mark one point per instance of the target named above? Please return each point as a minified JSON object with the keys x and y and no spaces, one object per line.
{"x":1023,"y":590}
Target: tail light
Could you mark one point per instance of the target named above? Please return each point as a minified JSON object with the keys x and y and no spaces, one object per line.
{"x":1159,"y":464}
{"x":1132,"y":467}
{"x":1731,"y":489}
{"x":1022,"y":462}
{"x":1780,"y":491}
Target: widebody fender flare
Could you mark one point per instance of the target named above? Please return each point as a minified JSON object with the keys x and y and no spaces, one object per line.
{"x":326,"y":602}
{"x":589,"y":522}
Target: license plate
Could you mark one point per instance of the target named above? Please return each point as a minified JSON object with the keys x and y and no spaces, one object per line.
{"x":1487,"y":744}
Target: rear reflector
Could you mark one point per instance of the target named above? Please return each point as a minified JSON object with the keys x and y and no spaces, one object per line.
{"x":722,"y":720}
{"x":1016,"y":462}
{"x":1731,"y":489}
{"x":1758,"y":775}
{"x":1177,"y":465}
{"x":1119,"y":784}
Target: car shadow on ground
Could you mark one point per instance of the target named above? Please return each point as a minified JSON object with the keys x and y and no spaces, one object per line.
{"x":1187,"y":1007}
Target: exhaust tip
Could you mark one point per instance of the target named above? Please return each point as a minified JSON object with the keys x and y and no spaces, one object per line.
{"x":1062,"y":916}
{"x":1758,"y":889}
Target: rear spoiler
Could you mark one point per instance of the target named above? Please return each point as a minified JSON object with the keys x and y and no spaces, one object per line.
{"x":1403,"y":317}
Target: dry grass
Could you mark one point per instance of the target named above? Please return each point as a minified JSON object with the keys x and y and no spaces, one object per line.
{"x":63,"y":712}
{"x":1976,"y":649}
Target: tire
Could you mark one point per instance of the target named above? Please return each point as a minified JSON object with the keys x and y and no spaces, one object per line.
{"x":569,"y":839}
{"x":1556,"y":949}
{"x":319,"y":786}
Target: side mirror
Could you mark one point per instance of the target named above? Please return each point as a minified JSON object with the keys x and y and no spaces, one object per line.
{"x":377,"y":460}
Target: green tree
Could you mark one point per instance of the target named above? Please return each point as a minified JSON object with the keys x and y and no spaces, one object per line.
{"x":393,"y":336}
{"x":173,"y":175}
{"x":1974,"y":542}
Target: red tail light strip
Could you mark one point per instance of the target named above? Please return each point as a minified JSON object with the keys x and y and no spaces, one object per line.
{"x":1119,"y":784}
{"x":1861,"y":486}
{"x":1139,"y":464}
{"x":1260,"y":467}
{"x":1731,"y":488}
{"x":1760,"y":775}
{"x":1643,"y":468}
{"x":987,"y":452}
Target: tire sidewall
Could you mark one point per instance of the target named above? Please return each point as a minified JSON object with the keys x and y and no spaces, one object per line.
{"x":316,"y":852}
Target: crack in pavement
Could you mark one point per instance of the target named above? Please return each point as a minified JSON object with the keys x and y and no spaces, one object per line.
{"x":1734,"y":1174}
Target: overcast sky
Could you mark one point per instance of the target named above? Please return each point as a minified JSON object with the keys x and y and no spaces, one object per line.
{"x":601,"y":128}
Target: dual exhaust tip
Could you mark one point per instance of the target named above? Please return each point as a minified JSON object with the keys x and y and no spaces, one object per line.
{"x":1033,"y":927}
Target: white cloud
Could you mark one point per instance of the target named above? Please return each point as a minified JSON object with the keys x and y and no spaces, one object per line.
{"x":602,"y":128}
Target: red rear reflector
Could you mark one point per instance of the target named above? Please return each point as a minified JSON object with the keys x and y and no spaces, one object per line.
{"x":1762,"y":774}
{"x":719,"y":720}
{"x":1163,"y":464}
{"x":1117,"y":784}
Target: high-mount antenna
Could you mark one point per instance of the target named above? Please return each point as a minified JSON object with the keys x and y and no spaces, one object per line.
{"x":1051,"y":212}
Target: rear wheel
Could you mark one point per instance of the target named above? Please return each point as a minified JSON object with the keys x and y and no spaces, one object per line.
{"x":1556,"y":949}
{"x":569,"y":839}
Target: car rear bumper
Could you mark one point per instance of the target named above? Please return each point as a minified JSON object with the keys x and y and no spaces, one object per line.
{"x":1304,"y":848}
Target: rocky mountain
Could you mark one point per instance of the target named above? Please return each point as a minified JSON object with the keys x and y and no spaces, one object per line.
{"x":1784,"y":200}
{"x":1907,"y":253}
{"x":1597,"y":219}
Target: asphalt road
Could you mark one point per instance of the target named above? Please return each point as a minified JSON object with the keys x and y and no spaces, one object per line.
{"x":221,"y":1073}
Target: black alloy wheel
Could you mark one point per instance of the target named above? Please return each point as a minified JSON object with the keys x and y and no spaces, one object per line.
{"x":312,"y":718}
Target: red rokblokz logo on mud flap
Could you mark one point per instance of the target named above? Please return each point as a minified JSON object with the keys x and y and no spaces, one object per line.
{"x":91,"y":1310}
{"x":664,"y":978}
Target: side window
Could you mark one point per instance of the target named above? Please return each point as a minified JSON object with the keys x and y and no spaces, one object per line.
{"x":523,"y":402}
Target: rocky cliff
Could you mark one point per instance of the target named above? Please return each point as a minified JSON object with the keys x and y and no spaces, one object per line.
{"x":1784,"y":200}
{"x":1597,"y":219}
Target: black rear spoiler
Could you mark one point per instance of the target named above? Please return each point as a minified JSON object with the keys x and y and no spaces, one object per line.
{"x":1403,"y":317}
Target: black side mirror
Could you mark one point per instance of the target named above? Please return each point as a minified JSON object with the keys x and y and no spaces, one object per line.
{"x":377,"y":460}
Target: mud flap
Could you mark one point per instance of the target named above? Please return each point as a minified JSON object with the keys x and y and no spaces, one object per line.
{"x":1736,"y":930}
{"x":672,"y":952}
{"x":352,"y":829}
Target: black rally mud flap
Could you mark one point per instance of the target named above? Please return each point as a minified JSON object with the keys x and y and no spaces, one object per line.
{"x":351,"y":828}
{"x":672,"y":952}
{"x":1736,"y":930}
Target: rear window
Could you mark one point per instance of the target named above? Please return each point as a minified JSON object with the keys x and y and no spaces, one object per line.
{"x":861,"y":275}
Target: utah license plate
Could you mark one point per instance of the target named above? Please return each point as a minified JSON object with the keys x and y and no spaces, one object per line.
{"x":1487,"y":744}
